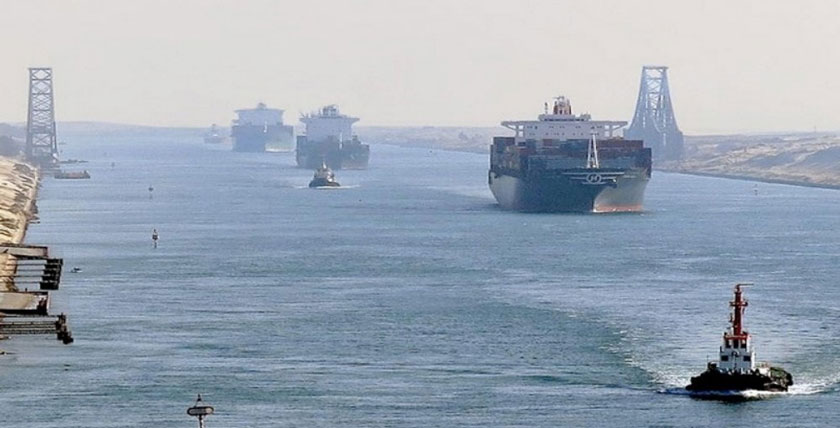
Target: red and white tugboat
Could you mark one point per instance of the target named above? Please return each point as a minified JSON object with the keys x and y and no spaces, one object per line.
{"x":736,"y":369}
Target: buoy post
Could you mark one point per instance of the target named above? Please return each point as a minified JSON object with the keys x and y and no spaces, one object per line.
{"x":200,"y":410}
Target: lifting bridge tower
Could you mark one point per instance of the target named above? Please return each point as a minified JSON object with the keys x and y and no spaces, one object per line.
{"x":654,"y":120}
{"x":41,"y":143}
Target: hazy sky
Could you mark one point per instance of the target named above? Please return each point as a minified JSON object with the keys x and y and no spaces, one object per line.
{"x":734,"y":65}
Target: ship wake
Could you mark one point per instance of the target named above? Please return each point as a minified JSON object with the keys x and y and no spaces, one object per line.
{"x":726,"y":395}
{"x":669,"y":365}
{"x":354,"y":186}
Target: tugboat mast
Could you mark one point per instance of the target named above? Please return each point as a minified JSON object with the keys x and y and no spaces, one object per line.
{"x":737,"y":354}
{"x":738,"y":306}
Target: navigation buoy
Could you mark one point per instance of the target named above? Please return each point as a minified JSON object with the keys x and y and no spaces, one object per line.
{"x":200,"y":410}
{"x":151,"y":189}
{"x":154,"y":237}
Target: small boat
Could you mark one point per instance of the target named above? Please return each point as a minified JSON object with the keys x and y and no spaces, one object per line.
{"x":214,"y":136}
{"x":736,"y":369}
{"x":324,"y":177}
{"x":71,"y":175}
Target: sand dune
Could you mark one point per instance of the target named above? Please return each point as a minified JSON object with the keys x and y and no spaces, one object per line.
{"x":804,"y":159}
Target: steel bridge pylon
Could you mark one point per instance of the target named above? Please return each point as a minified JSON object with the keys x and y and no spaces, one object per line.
{"x":41,"y":143}
{"x":654,"y":120}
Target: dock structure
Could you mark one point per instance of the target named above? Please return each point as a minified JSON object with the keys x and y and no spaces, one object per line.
{"x":19,"y":325}
{"x":30,"y":266}
{"x":27,"y":275}
{"x":28,"y":272}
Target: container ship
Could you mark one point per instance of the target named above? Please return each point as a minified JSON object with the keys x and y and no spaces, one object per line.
{"x":329,"y":140}
{"x":567,"y":163}
{"x":261,"y":129}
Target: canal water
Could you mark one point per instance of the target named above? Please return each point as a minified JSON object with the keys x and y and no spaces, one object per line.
{"x":407,"y":298}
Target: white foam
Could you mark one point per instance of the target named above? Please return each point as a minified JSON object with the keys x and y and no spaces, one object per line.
{"x":336,"y":187}
{"x":354,"y":186}
{"x":749,"y":394}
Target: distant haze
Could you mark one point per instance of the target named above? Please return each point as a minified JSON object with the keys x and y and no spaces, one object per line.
{"x":734,"y":66}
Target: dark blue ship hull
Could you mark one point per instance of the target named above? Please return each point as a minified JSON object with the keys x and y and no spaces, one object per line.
{"x":334,"y":154}
{"x":555,"y":175}
{"x":576,"y":190}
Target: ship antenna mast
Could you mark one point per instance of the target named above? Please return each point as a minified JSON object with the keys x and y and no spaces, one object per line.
{"x":592,"y":155}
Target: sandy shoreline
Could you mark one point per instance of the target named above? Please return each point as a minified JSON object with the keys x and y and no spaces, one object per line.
{"x":704,"y":165}
{"x":746,"y":177}
{"x":18,"y":190}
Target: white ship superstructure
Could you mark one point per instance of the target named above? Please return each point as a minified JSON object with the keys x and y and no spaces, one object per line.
{"x":260,"y":116}
{"x":329,"y":139}
{"x":260,"y":129}
{"x":328,"y":124}
{"x":561,"y":125}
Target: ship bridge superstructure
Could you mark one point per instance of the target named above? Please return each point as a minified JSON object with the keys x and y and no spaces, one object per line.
{"x":328,"y":124}
{"x":259,"y":116}
{"x":260,"y":129}
{"x":559,"y":123}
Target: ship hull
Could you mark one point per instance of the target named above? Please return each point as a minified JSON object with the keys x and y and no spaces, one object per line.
{"x":331,"y":153}
{"x":713,"y":380}
{"x":322,"y":182}
{"x":563,"y":193}
{"x":261,"y":139}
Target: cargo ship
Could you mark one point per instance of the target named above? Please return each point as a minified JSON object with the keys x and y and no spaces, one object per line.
{"x":329,"y":140}
{"x":213,"y":136}
{"x":563,"y":162}
{"x":261,"y":129}
{"x":736,"y":369}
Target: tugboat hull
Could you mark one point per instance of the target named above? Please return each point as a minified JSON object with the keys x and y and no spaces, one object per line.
{"x":713,"y":380}
{"x":320,"y":182}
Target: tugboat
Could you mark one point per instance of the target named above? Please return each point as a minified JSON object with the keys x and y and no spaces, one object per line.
{"x":736,"y":370}
{"x":324,"y":177}
{"x":214,"y":136}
